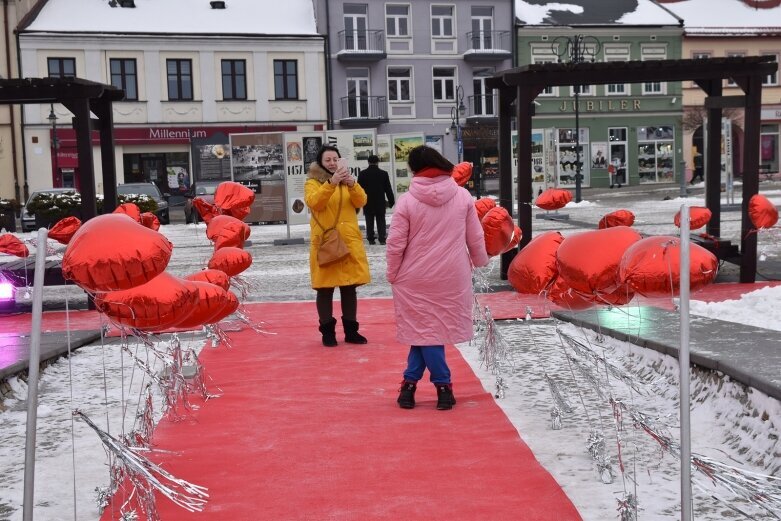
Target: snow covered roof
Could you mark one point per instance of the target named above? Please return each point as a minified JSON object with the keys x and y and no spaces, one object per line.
{"x":261,"y":17}
{"x":725,"y":17}
{"x":593,"y":12}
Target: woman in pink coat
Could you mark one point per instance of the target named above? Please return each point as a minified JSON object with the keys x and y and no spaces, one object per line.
{"x":434,"y":241}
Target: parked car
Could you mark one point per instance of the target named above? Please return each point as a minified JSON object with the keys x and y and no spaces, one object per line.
{"x":152,"y":191}
{"x":27,"y":219}
{"x":205,"y":190}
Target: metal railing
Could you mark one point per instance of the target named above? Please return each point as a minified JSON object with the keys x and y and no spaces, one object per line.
{"x":367,"y":41}
{"x":488,"y":41}
{"x":364,"y":107}
{"x":484,"y":105}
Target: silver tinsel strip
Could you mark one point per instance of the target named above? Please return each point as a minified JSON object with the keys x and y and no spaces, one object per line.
{"x":257,"y":327}
{"x":588,"y":374}
{"x":586,"y":351}
{"x":217,"y":335}
{"x":244,"y":286}
{"x":627,"y":508}
{"x":148,"y":477}
{"x":558,"y":398}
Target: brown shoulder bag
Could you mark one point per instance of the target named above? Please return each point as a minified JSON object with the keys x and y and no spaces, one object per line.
{"x":332,"y":247}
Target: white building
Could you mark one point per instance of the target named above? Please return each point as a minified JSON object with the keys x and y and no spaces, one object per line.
{"x":191,"y":69}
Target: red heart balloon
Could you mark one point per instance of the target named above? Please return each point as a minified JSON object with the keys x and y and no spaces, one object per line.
{"x":230,"y":260}
{"x":553,"y":199}
{"x":11,"y":245}
{"x":462,"y":173}
{"x":498,"y":228}
{"x":762,"y":212}
{"x":483,"y":205}
{"x":234,"y":199}
{"x":216,"y":277}
{"x":112,"y":252}
{"x":698,"y":217}
{"x":534,"y":268}
{"x":617,"y":218}
{"x":211,"y":301}
{"x":226,"y":231}
{"x":131,"y":210}
{"x":64,"y":229}
{"x":150,"y":220}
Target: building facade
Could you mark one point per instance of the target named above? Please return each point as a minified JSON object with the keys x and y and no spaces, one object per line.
{"x":735,"y":28}
{"x":624,"y":134}
{"x":420,"y":68}
{"x":224,"y":68}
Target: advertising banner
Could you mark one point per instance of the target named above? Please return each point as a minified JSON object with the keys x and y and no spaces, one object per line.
{"x":258,"y":162}
{"x":402,"y":144}
{"x":296,"y":167}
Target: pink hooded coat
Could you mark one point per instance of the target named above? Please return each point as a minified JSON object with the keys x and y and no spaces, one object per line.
{"x":434,"y":239}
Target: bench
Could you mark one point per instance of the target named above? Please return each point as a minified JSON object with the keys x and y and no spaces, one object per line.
{"x":22,"y":270}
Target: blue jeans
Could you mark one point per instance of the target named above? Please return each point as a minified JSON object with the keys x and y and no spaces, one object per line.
{"x":431,"y":357}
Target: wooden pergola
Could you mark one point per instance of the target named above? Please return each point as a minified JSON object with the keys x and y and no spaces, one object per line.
{"x":81,"y":97}
{"x":522,"y":85}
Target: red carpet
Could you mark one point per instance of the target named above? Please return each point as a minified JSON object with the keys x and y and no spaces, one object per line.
{"x":312,"y":433}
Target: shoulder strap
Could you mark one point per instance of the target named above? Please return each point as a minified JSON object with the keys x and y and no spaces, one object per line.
{"x":338,"y":211}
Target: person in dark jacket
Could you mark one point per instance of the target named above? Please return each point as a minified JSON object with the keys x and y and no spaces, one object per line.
{"x":376,"y":183}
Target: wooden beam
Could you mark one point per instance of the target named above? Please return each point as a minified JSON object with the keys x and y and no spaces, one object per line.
{"x":752,"y":121}
{"x":725,"y":102}
{"x":506,"y":98}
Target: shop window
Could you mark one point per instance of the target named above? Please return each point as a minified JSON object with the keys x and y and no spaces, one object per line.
{"x":180,"y":80}
{"x":768,"y":151}
{"x":655,"y":157}
{"x":123,"y":76}
{"x":567,"y":150}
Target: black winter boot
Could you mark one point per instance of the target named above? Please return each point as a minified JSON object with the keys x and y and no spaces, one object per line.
{"x":329,"y":333}
{"x":406,"y":398}
{"x":351,"y":334}
{"x":445,"y":398}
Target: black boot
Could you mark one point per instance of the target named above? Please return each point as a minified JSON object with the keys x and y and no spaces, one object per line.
{"x":351,"y":334}
{"x":329,"y":333}
{"x":406,"y":398}
{"x":445,"y":398}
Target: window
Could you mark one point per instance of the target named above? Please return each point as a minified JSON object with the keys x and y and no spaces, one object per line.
{"x":484,"y":103}
{"x":399,"y":84}
{"x":444,"y":84}
{"x":234,"y":80}
{"x":62,"y":67}
{"x":653,"y":52}
{"x":542,"y":53}
{"x":655,"y":156}
{"x":442,"y":21}
{"x":616,"y":53}
{"x":358,"y":93}
{"x":731,"y":83}
{"x":482,"y":27}
{"x":700,"y":55}
{"x":355,"y":27}
{"x":123,"y":76}
{"x":180,"y":80}
{"x":397,"y":20}
{"x":285,"y":79}
{"x":771,"y":79}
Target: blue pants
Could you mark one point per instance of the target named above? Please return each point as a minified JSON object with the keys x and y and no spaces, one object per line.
{"x":431,"y":357}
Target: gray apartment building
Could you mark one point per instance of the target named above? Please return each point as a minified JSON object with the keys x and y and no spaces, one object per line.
{"x":419,"y":68}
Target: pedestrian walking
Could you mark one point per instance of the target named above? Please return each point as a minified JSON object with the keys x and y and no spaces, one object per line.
{"x":435,"y":240}
{"x":333,"y":196}
{"x":376,"y":183}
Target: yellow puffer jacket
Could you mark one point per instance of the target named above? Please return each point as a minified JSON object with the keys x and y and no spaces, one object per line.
{"x":322,"y":198}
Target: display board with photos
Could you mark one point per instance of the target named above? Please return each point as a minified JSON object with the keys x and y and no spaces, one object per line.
{"x":543,"y":170}
{"x":300,"y":151}
{"x":211,"y":159}
{"x":258,"y":162}
{"x":401,"y":146}
{"x":354,"y":145}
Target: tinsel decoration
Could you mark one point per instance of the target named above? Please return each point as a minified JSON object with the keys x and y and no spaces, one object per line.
{"x":555,"y":419}
{"x":217,"y":336}
{"x":244,"y":286}
{"x":147,"y":477}
{"x":627,"y":508}
{"x":258,"y":327}
{"x":598,"y":451}
{"x":558,"y":397}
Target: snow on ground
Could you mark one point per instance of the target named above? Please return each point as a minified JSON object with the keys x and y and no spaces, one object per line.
{"x":732,"y":424}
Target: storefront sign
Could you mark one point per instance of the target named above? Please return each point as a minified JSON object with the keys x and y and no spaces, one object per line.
{"x":771,"y":114}
{"x":601,"y":105}
{"x":165,"y":135}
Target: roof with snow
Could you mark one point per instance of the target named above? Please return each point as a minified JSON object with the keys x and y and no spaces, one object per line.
{"x":593,"y":12}
{"x":240,"y":17}
{"x":726,"y":17}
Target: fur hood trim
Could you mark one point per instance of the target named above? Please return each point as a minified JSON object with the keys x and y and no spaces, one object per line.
{"x":318,"y":172}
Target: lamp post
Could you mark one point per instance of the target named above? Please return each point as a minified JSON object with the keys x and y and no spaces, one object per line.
{"x":456,"y":111}
{"x":578,"y":48}
{"x":55,"y":145}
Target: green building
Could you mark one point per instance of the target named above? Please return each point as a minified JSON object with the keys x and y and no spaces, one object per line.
{"x":629,"y":133}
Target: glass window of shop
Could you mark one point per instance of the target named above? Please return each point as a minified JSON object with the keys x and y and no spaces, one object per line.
{"x":768,"y":148}
{"x":655,"y":157}
{"x":567,"y":149}
{"x":169,"y":171}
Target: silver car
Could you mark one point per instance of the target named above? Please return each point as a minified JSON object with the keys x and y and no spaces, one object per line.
{"x":28,"y":220}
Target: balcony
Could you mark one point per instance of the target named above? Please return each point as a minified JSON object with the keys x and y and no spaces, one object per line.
{"x":358,"y":111}
{"x":482,"y":107}
{"x":367,"y":45}
{"x":488,"y":46}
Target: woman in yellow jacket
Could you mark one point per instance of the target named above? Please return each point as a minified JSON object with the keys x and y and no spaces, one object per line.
{"x":333,"y":196}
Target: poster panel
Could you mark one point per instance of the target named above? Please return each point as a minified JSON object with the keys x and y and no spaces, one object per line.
{"x":402,"y":144}
{"x":258,"y":162}
{"x":435,"y":142}
{"x":541,"y":172}
{"x":211,"y":159}
{"x":300,"y":151}
{"x":355,"y":145}
{"x":599,"y":154}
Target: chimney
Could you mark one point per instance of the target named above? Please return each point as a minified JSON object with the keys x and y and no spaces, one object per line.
{"x":217,"y":4}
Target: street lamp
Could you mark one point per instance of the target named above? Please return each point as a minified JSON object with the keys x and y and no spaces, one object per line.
{"x":578,"y":48}
{"x":456,"y":112}
{"x":55,"y":145}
